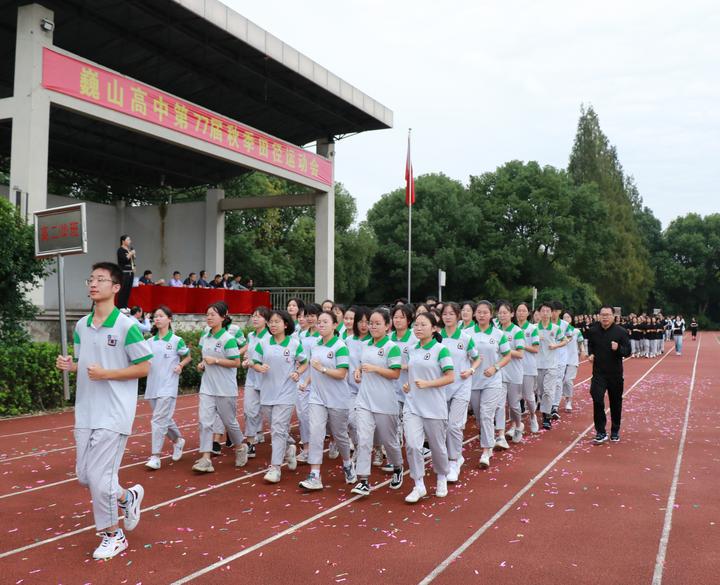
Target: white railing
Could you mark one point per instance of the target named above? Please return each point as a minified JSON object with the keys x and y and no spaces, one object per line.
{"x":280,"y":295}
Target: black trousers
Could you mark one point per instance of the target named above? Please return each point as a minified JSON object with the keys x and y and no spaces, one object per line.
{"x":125,"y":289}
{"x":613,"y":385}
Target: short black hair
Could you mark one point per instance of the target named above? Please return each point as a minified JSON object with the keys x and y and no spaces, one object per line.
{"x":545,"y":304}
{"x":112,"y":268}
{"x":606,"y":307}
{"x":176,"y":272}
{"x":135,"y":310}
{"x":287,"y":320}
{"x":147,"y":272}
{"x":123,"y":238}
{"x":557,"y":306}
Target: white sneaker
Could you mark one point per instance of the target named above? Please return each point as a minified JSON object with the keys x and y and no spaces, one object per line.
{"x":153,"y":462}
{"x":302,"y":457}
{"x":377,"y":460}
{"x":260,"y":438}
{"x":501,"y":444}
{"x":534,"y":426}
{"x":484,"y":460}
{"x":568,"y":405}
{"x":517,"y":435}
{"x":333,"y":451}
{"x":178,"y":449}
{"x":415,"y":495}
{"x":272,"y":475}
{"x":134,"y":498}
{"x":453,"y":473}
{"x":241,"y":455}
{"x":311,"y":482}
{"x":110,"y":545}
{"x":510,"y":432}
{"x":426,"y":453}
{"x":203,"y":465}
{"x":441,"y":489}
{"x":290,"y":457}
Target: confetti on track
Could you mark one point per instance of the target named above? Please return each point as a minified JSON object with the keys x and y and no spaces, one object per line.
{"x":594,"y":517}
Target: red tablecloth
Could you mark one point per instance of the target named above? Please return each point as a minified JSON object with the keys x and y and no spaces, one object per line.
{"x":196,"y":300}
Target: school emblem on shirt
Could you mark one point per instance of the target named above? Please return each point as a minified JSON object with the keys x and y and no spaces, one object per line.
{"x":461,"y":346}
{"x":330,"y":355}
{"x":427,"y":356}
{"x":168,"y":346}
{"x":112,"y":340}
{"x":286,"y":353}
{"x":381,"y":352}
{"x":492,"y":341}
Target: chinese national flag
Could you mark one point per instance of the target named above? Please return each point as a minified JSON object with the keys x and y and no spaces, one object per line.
{"x":409,"y":179}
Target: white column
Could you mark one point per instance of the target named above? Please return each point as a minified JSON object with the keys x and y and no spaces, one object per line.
{"x":31,"y":118}
{"x":325,"y":233}
{"x":214,"y":233}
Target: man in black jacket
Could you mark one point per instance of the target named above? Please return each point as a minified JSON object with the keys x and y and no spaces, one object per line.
{"x":608,"y":344}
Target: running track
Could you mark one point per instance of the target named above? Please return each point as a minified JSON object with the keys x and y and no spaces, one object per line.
{"x":555,"y":509}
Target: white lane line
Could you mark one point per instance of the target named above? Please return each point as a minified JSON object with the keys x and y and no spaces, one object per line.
{"x":148,"y":509}
{"x":469,"y":542}
{"x":667,"y":524}
{"x":72,"y":426}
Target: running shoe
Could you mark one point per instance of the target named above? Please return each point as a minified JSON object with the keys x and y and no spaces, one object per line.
{"x":112,"y":543}
{"x":203,"y":465}
{"x":397,"y":478}
{"x":362,"y":488}
{"x":387,"y":467}
{"x":453,"y":472}
{"x":484,"y":460}
{"x":290,"y":457}
{"x":216,"y":448}
{"x":228,"y":442}
{"x":416,"y":495}
{"x":241,"y":455}
{"x":534,"y":426}
{"x":554,"y":414}
{"x":568,"y":405}
{"x":333,"y":451}
{"x":547,"y":422}
{"x":133,"y":500}
{"x":153,"y":462}
{"x":441,"y":489}
{"x":615,"y":437}
{"x":349,"y":471}
{"x":302,"y":457}
{"x":510,"y":433}
{"x":252,"y":452}
{"x":312,"y":482}
{"x":178,"y":449}
{"x":501,"y":444}
{"x":272,"y":475}
{"x":600,"y":438}
{"x":517,"y":435}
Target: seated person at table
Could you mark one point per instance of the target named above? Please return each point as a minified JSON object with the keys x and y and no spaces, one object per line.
{"x":202,"y":281}
{"x":236,"y":283}
{"x":147,"y":279}
{"x":175,"y":281}
{"x":217,"y":282}
{"x":250,"y":285}
{"x":191,"y":281}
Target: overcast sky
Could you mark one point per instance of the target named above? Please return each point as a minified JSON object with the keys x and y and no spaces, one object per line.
{"x":484,"y":82}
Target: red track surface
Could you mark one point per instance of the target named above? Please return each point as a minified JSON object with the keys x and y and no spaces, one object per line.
{"x":592,"y":515}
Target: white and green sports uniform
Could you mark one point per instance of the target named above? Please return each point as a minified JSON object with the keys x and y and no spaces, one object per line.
{"x":425,"y":414}
{"x":405,"y":343}
{"x":376,"y":406}
{"x":251,"y":392}
{"x":162,"y":387}
{"x":512,"y":376}
{"x":355,"y":346}
{"x":218,"y":389}
{"x":329,"y":400}
{"x":562,"y":360}
{"x":487,"y":393}
{"x":547,"y":364}
{"x":105,"y":409}
{"x":278,"y":391}
{"x":573,"y":348}
{"x":530,"y":367}
{"x":308,"y":340}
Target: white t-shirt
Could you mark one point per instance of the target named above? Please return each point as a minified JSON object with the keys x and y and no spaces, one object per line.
{"x":405,"y":343}
{"x":276,"y":385}
{"x":167,"y":351}
{"x":546,"y":357}
{"x":355,"y":347}
{"x":513,"y":371}
{"x":463,"y":352}
{"x":377,"y":394}
{"x":218,"y":380}
{"x":114,"y":345}
{"x":529,"y":361}
{"x":492,"y":344}
{"x":252,"y":377}
{"x":573,"y":349}
{"x":325,"y":390}
{"x":428,"y":362}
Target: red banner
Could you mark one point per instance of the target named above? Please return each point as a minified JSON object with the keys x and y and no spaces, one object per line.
{"x":107,"y":89}
{"x":197,"y":300}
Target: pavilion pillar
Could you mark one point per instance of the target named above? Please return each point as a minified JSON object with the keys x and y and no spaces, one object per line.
{"x":214,"y":233}
{"x":325,"y":232}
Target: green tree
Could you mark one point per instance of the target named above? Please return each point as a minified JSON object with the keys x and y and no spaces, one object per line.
{"x":19,"y":272}
{"x":622,"y":273}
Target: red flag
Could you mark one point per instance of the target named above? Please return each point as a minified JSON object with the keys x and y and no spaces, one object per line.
{"x":409,"y":179}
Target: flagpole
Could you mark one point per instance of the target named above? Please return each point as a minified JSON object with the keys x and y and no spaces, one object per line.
{"x":410,"y":206}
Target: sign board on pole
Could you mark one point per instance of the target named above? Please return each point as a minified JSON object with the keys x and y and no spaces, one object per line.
{"x":61,"y":230}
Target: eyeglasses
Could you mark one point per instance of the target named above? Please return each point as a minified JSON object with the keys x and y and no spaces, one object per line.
{"x":92,"y":279}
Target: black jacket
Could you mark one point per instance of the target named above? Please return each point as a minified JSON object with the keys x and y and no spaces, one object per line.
{"x":606,"y":361}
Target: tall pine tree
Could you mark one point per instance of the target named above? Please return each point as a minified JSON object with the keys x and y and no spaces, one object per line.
{"x":623,"y":276}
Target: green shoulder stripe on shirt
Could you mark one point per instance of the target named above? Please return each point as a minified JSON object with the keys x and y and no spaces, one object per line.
{"x":76,"y":338}
{"x":444,"y":353}
{"x":143,"y":359}
{"x":395,"y":353}
{"x":133,"y":335}
{"x":231,"y":344}
{"x":343,"y":351}
{"x":181,"y":344}
{"x":519,"y":335}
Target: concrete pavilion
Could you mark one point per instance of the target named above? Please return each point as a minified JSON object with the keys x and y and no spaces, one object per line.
{"x":180,"y":93}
